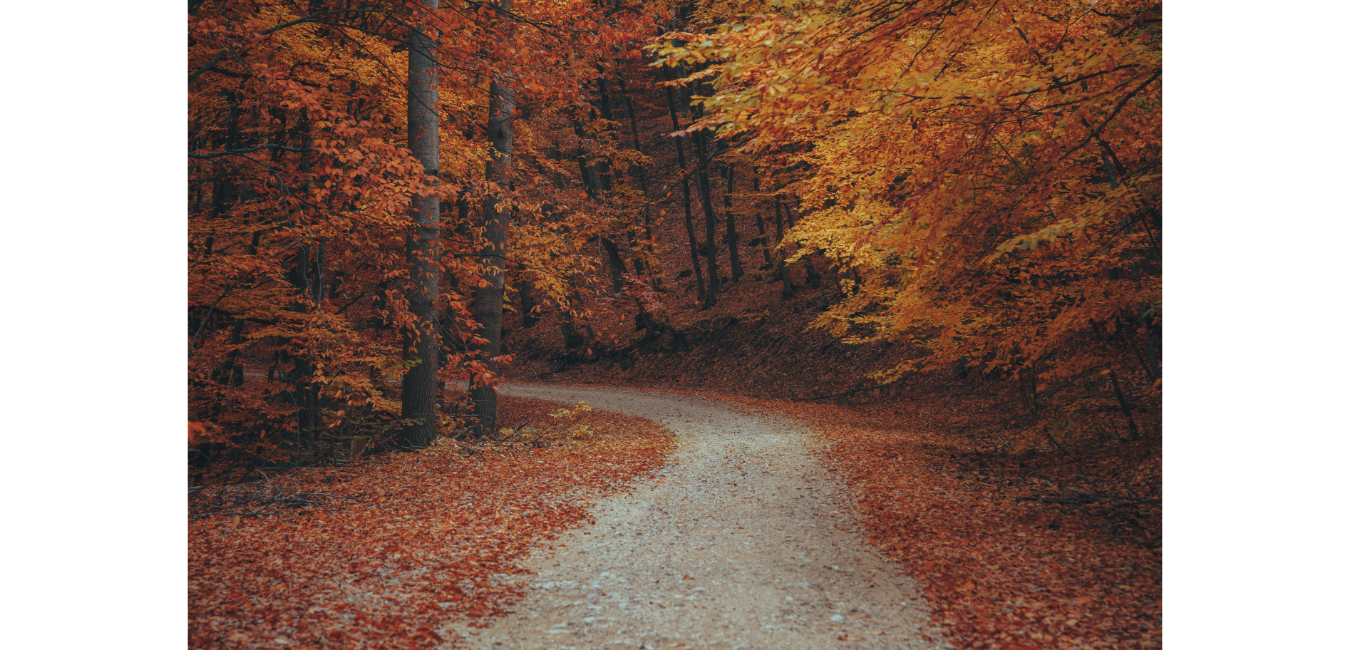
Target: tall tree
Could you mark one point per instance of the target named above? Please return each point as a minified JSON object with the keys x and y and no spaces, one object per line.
{"x":644,"y":257}
{"x":701,"y":155}
{"x":781,"y":254}
{"x":995,"y":167}
{"x":422,"y":338}
{"x":316,"y":191}
{"x":676,"y":108}
{"x":295,"y":117}
{"x":488,"y":295}
{"x":732,"y":238}
{"x":759,"y":225}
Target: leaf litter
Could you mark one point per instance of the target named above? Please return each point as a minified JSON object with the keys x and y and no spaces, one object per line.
{"x":390,"y":551}
{"x":1007,"y":559}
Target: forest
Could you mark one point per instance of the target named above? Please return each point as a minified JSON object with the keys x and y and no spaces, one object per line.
{"x":432,"y":245}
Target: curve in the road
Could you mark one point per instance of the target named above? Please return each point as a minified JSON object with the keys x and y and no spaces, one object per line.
{"x":743,"y":541}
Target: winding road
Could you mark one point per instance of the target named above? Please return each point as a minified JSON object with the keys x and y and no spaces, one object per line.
{"x":743,"y":541}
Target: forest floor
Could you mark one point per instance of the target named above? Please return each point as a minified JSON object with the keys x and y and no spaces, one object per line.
{"x":1026,"y":549}
{"x":679,"y":521}
{"x":383,"y":551}
{"x":1009,"y":540}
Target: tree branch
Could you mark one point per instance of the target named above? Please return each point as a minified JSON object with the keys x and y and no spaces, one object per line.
{"x":310,"y":18}
{"x":237,"y":152}
{"x":1120,"y":105}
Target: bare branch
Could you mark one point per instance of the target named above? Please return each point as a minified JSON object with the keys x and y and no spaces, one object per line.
{"x":237,"y":152}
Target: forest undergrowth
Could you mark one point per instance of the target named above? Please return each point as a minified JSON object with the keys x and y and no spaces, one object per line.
{"x":381,"y":552}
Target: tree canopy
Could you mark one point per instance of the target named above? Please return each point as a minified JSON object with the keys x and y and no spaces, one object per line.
{"x":983,"y":179}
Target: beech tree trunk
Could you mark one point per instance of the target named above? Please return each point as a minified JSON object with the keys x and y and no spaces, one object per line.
{"x":709,"y":218}
{"x":637,"y":146}
{"x":732,"y":237}
{"x":782,"y":252}
{"x":575,"y":337}
{"x":602,"y":167}
{"x":223,"y":195}
{"x":422,"y":344}
{"x":812,"y":276}
{"x":487,"y":306}
{"x":617,"y":268}
{"x":301,"y":378}
{"x":684,"y":184}
{"x":1124,"y":405}
{"x":528,"y":317}
{"x":1151,"y":366}
{"x":644,"y":257}
{"x":759,"y":225}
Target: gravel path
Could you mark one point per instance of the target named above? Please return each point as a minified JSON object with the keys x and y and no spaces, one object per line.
{"x":743,"y":541}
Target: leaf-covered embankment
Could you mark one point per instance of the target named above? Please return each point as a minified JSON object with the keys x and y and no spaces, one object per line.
{"x":1019,"y":550}
{"x":385,"y":551}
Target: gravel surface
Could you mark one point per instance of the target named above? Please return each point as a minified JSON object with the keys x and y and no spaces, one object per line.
{"x":743,"y":541}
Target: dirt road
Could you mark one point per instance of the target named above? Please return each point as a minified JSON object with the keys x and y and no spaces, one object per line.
{"x":743,"y":541}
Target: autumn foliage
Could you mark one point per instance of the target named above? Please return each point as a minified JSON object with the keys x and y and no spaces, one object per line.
{"x":952,"y":207}
{"x":301,"y":325}
{"x":981,"y":180}
{"x":1033,"y":550}
{"x":984,"y":176}
{"x":385,"y":552}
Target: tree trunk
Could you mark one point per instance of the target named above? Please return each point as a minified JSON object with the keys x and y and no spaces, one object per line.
{"x":587,"y":178}
{"x":602,"y":166}
{"x":617,"y":269}
{"x":315,"y":388}
{"x":574,"y":337}
{"x":223,"y":194}
{"x":488,"y":300}
{"x":1124,"y":405}
{"x":684,"y":183}
{"x":732,"y":237}
{"x":644,"y":260}
{"x":812,"y":276}
{"x":636,"y":248}
{"x":782,"y":252}
{"x":1151,"y":366}
{"x":759,"y":225}
{"x":702,"y":154}
{"x":528,"y":318}
{"x":709,"y":217}
{"x":233,"y":368}
{"x":301,"y":378}
{"x":422,"y":343}
{"x":637,"y":146}
{"x":304,"y":415}
{"x":226,"y":189}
